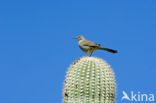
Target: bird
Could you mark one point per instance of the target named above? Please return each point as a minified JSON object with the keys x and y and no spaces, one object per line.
{"x":89,"y":47}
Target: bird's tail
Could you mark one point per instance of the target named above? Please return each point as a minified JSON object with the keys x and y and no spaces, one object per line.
{"x":109,"y":50}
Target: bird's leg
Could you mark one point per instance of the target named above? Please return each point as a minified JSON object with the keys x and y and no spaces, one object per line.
{"x":91,"y":53}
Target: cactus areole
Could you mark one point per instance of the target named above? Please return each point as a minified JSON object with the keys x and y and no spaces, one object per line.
{"x":89,"y":80}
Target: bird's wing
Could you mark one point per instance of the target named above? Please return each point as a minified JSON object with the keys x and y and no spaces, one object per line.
{"x":89,"y":43}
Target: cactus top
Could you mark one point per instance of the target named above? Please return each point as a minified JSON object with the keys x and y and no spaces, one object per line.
{"x":89,"y":80}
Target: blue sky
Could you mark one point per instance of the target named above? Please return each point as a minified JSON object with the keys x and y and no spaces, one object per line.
{"x":36,"y":45}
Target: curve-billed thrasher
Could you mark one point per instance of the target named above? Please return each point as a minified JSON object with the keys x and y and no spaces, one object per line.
{"x":89,"y":47}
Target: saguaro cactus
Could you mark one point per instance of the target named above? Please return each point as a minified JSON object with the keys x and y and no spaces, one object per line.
{"x":89,"y":80}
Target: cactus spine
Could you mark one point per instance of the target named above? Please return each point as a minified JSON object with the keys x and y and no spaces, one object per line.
{"x":89,"y":80}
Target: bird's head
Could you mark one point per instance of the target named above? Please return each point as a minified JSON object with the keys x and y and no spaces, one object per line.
{"x":79,"y":38}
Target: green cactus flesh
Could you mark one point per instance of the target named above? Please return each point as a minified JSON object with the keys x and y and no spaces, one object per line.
{"x":89,"y":80}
